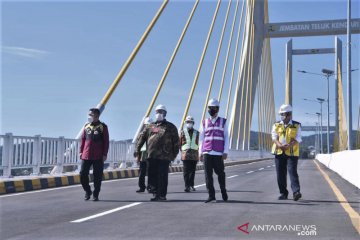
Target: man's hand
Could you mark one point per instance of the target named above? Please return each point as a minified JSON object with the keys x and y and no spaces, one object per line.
{"x":138,"y":158}
{"x":201,"y":157}
{"x":104,"y":158}
{"x":135,"y":154}
{"x":285,"y":147}
{"x":80,"y":155}
{"x":224,"y":156}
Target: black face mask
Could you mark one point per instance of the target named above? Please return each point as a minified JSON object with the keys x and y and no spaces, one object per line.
{"x":212,"y":112}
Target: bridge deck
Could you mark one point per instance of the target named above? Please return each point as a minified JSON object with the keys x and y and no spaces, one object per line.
{"x":48,"y":214}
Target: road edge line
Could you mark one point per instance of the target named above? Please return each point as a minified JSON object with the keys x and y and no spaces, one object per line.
{"x":354,"y":216}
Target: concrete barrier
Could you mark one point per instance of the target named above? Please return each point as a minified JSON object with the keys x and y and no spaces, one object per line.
{"x":345,"y":163}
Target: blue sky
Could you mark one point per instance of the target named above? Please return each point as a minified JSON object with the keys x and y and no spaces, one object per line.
{"x":59,"y":58}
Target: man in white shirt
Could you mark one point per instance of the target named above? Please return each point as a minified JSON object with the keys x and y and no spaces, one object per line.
{"x":286,"y":136}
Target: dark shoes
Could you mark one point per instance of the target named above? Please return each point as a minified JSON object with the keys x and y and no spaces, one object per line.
{"x":210,"y":199}
{"x":283,"y":197}
{"x":158,"y":198}
{"x":224,"y":196}
{"x":192,"y":189}
{"x":140,"y":190}
{"x":297,"y":196}
{"x":87,"y":196}
{"x":95,"y":199}
{"x":187,"y":189}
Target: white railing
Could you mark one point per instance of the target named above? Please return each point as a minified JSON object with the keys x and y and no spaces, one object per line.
{"x":21,"y":152}
{"x":37,"y":152}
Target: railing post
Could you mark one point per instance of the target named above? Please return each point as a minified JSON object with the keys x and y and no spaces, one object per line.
{"x":7,"y":155}
{"x":36,"y":155}
{"x":123,"y":154}
{"x":60,"y":155}
{"x":111,"y":154}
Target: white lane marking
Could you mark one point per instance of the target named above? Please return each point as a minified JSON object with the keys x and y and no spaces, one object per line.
{"x":268,"y":166}
{"x":199,"y":185}
{"x":261,"y":169}
{"x":273,"y":165}
{"x":105,"y":213}
{"x":233,"y":176}
{"x":249,"y":172}
{"x":61,"y":188}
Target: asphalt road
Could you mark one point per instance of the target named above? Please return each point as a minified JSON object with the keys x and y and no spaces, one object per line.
{"x":121,"y":213}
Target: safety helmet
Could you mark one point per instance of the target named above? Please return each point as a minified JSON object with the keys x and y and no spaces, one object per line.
{"x":189,"y":119}
{"x":160,"y":107}
{"x":285,"y":108}
{"x":148,"y":120}
{"x":213,"y":103}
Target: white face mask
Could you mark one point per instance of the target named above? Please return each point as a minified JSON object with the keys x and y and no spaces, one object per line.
{"x":282,"y":118}
{"x":90,"y":119}
{"x":159,"y":117}
{"x":189,"y":125}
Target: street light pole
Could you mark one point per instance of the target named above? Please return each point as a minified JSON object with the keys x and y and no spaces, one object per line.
{"x":321,"y":100}
{"x":328,"y":73}
{"x":318,"y":137}
{"x":349,"y":100}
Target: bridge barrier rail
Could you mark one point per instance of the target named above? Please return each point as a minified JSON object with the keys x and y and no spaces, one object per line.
{"x":37,"y":152}
{"x":18,"y":152}
{"x":344,"y":163}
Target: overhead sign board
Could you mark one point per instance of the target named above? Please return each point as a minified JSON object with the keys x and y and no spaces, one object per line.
{"x":310,"y":28}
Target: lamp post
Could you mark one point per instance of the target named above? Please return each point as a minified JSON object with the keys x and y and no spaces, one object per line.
{"x":319,"y":100}
{"x":328,"y":73}
{"x":317,"y":138}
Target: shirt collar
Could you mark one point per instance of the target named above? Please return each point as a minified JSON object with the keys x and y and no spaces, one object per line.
{"x":214,"y":119}
{"x":290,"y":122}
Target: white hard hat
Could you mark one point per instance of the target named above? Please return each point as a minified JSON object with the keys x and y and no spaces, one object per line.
{"x":148,"y":120}
{"x":189,"y":119}
{"x":213,"y":103}
{"x":285,"y":108}
{"x":160,"y":107}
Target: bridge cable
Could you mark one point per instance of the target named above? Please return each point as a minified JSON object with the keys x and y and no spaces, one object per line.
{"x":245,"y":76}
{"x":110,"y":91}
{"x":200,"y":65}
{"x":238,"y":83}
{"x":216,"y":59}
{"x":159,"y":87}
{"x":131,"y":57}
{"x":234,"y":61}
{"x":228,"y":52}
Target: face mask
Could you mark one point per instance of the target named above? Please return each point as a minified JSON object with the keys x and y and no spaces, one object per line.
{"x":282,"y":118}
{"x":90,"y":119}
{"x":212,"y":112}
{"x":189,"y":125}
{"x":159,"y":117}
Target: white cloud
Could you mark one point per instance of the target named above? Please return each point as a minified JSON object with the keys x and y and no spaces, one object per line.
{"x":25,"y":52}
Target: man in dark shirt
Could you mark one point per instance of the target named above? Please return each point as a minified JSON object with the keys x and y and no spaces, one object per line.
{"x":93,"y":152}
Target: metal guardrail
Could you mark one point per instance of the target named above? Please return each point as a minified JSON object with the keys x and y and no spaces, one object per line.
{"x":23,"y":152}
{"x":37,"y":152}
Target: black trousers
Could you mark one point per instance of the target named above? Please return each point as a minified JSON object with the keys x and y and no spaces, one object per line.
{"x":213,"y":162}
{"x":286,"y":164}
{"x":158,"y":175}
{"x":142,"y":174}
{"x":189,"y":172}
{"x":152,"y":174}
{"x":98,"y":168}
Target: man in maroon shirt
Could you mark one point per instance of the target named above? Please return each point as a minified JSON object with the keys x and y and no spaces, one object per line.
{"x":93,"y":152}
